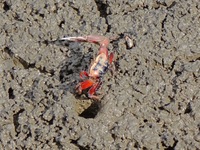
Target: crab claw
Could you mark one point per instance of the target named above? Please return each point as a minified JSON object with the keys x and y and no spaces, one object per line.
{"x":84,"y":85}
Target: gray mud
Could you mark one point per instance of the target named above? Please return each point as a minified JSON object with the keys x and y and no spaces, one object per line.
{"x":151,"y":102}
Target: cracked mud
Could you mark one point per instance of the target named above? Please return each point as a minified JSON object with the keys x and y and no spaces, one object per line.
{"x":151,"y":102}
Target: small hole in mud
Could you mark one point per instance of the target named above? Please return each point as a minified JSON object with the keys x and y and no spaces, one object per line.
{"x":61,"y":24}
{"x":6,"y":7}
{"x":91,"y":111}
{"x":102,"y":9}
{"x":145,"y":120}
{"x":11,"y":93}
{"x":136,"y":145}
{"x":144,"y":148}
{"x":75,"y":142}
{"x":41,"y":15}
{"x":158,"y":120}
{"x":58,"y":143}
{"x":188,"y":109}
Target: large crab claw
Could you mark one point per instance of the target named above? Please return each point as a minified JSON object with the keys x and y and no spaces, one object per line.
{"x":101,"y":40}
{"x":93,"y":87}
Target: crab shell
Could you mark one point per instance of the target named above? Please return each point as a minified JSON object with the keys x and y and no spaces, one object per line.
{"x":100,"y":66}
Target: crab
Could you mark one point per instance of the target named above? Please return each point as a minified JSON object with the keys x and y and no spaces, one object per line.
{"x":92,"y":79}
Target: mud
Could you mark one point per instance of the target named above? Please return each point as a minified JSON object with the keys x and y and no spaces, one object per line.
{"x":151,"y":101}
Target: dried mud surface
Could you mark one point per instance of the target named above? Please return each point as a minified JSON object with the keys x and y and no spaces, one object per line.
{"x":151,"y":102}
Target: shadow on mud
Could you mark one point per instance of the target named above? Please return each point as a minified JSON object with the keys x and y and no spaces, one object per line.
{"x":91,"y":111}
{"x":71,"y":66}
{"x":75,"y":62}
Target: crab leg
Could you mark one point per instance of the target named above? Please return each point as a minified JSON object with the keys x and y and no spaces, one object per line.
{"x":84,"y":85}
{"x":84,"y":74}
{"x":92,"y":91}
{"x":111,"y":56}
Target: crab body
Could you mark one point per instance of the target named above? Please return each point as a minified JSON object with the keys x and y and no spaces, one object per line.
{"x":100,"y":66}
{"x":92,"y":80}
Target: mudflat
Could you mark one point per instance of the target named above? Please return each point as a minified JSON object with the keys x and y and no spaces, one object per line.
{"x":152,"y":101}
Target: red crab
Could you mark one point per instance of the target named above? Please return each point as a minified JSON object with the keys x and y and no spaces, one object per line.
{"x":97,"y":69}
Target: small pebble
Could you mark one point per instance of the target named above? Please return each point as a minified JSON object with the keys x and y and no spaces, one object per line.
{"x":129,"y":42}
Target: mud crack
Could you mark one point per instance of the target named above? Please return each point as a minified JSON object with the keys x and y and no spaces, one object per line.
{"x":15,"y":121}
{"x":26,"y":65}
{"x":102,"y":8}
